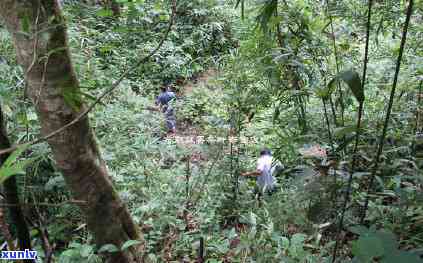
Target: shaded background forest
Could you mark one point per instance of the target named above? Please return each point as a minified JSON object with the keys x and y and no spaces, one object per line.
{"x":287,"y":75}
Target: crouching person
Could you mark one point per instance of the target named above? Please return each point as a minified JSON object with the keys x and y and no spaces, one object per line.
{"x":265,"y":181}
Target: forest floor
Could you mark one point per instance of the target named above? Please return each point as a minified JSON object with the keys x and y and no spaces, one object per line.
{"x":187,"y":134}
{"x":186,"y":138}
{"x":200,"y":82}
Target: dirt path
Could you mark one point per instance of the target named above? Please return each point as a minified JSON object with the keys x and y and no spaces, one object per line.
{"x":186,"y":130}
{"x":195,"y":158}
{"x":201,"y":81}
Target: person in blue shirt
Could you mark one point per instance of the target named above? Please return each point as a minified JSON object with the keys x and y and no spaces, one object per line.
{"x":164,"y":100}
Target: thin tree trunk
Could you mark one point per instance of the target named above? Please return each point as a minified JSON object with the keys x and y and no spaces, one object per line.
{"x":113,"y":6}
{"x":4,"y":229}
{"x":39,"y":33}
{"x":12,"y":195}
{"x":302,"y":114}
{"x":418,"y":125}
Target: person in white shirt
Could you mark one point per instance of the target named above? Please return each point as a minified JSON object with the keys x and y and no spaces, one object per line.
{"x":266,"y":182}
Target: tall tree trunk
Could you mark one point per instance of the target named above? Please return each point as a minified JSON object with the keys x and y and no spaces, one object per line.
{"x":115,"y":7}
{"x":12,"y":195}
{"x":39,"y":33}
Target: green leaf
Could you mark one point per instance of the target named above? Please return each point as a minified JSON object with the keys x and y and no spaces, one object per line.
{"x":298,"y":239}
{"x":104,"y":13}
{"x":253,"y":219}
{"x":14,"y":155}
{"x":158,"y":7}
{"x":90,"y":97}
{"x":242,"y":2}
{"x":343,"y":131}
{"x":152,"y":257}
{"x":34,"y":232}
{"x":389,"y":240}
{"x":164,"y":17}
{"x":328,"y":90}
{"x":402,"y":256}
{"x":56,"y":50}
{"x":12,"y":166}
{"x":8,"y":172}
{"x":26,"y":23}
{"x":268,"y":10}
{"x":359,"y":230}
{"x":354,"y":82}
{"x":130,"y":243}
{"x":85,"y":251}
{"x":73,"y":98}
{"x":367,"y":247}
{"x":108,"y":248}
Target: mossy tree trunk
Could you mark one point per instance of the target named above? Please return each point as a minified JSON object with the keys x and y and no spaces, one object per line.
{"x":40,"y":38}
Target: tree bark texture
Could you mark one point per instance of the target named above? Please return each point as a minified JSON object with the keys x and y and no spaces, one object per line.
{"x":115,"y":7}
{"x":12,"y":195}
{"x":39,"y":33}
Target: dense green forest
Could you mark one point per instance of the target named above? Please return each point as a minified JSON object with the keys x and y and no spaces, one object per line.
{"x":211,"y":130}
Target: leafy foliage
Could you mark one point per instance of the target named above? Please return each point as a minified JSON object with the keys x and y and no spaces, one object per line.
{"x":12,"y":166}
{"x":379,"y":244}
{"x":261,"y":76}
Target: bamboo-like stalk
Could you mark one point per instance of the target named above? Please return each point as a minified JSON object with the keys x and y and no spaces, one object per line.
{"x":419,"y":98}
{"x":357,"y":135}
{"x":328,"y":125}
{"x":388,"y":111}
{"x":335,"y":50}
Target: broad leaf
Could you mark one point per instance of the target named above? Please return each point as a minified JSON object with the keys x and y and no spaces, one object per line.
{"x":343,"y":131}
{"x":389,"y":240}
{"x":401,"y":256}
{"x":354,"y":82}
{"x":367,"y":247}
{"x":12,"y":166}
{"x":85,"y":251}
{"x":327,"y":91}
{"x":358,"y":230}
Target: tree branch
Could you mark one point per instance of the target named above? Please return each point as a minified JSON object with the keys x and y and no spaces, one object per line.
{"x":103,"y":95}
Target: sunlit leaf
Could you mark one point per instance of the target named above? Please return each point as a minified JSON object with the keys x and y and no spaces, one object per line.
{"x":12,"y":166}
{"x":104,"y":13}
